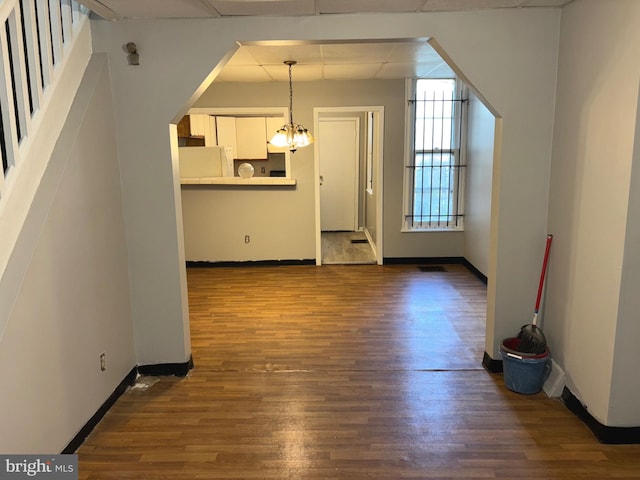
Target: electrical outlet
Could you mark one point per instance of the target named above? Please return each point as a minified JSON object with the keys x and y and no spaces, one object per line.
{"x":247,"y":239}
{"x":103,"y":361}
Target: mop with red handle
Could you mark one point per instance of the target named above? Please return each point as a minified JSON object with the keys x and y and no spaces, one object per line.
{"x":532,"y":339}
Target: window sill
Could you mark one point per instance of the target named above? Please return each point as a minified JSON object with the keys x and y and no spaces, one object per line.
{"x":237,"y":181}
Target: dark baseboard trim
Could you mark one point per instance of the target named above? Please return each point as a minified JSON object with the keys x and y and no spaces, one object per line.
{"x":481,"y":276}
{"x":386,"y":261}
{"x":163,"y":369}
{"x":167,"y":369}
{"x":257,"y":263}
{"x":604,"y":434}
{"x":491,"y":365}
{"x":84,"y":432}
{"x":423,"y":260}
{"x":436,"y":261}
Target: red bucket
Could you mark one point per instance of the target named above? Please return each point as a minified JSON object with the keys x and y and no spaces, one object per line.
{"x":511,"y":345}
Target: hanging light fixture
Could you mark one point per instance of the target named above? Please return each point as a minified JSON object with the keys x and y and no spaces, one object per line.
{"x":290,"y":135}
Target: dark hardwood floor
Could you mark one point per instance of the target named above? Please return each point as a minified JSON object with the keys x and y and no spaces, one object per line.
{"x":342,"y":372}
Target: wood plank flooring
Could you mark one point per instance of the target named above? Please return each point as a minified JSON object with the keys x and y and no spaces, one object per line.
{"x":342,"y":372}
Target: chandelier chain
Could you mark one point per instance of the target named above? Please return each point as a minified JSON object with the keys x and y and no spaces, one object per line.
{"x":290,"y":95}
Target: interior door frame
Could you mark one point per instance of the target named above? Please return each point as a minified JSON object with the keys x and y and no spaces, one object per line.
{"x":378,"y":178}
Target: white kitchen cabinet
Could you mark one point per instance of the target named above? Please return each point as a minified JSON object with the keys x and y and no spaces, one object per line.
{"x":198,"y":125}
{"x":226,"y":128}
{"x":210,"y":134}
{"x":251,"y":138}
{"x":248,"y":136}
{"x":204,"y":126}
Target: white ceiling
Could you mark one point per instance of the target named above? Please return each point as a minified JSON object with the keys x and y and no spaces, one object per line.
{"x":120,"y":9}
{"x":263,"y":62}
{"x":335,"y":61}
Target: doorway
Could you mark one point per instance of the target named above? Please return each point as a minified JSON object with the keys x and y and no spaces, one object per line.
{"x":348,"y":169}
{"x":342,"y":238}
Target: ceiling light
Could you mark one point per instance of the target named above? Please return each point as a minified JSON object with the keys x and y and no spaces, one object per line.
{"x":290,"y":135}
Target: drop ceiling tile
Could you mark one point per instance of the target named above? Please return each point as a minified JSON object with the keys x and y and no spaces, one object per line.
{"x":395,"y":59}
{"x":351,"y":72}
{"x":160,"y":8}
{"x":546,"y":3}
{"x":414,"y":70}
{"x":396,"y":70}
{"x":442,"y":71}
{"x":354,"y":6}
{"x":454,"y":5}
{"x":299,"y":73}
{"x":264,"y":7}
{"x":242,"y":56}
{"x":358,"y":52}
{"x":243,"y":74}
{"x":214,"y":8}
{"x":418,"y":51}
{"x":276,"y":55}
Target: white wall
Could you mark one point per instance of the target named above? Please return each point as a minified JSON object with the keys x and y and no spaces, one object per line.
{"x":73,"y":300}
{"x":509,"y":55}
{"x":35,"y":150}
{"x":591,"y":316}
{"x":625,"y":382}
{"x":479,"y":172}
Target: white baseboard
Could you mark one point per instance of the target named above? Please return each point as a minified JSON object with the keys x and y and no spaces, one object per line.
{"x":555,"y":383}
{"x":372,"y":243}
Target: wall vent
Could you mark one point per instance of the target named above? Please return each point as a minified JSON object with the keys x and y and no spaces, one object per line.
{"x":431,"y":268}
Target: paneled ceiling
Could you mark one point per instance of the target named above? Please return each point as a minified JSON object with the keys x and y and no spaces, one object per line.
{"x":119,"y":9}
{"x":263,"y":62}
{"x":381,"y":60}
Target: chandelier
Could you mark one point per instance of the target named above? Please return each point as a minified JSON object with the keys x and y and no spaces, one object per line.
{"x":291,"y":135}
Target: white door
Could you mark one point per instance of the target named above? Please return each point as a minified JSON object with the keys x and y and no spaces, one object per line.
{"x":338,"y":148}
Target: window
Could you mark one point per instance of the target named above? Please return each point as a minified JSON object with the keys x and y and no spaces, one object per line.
{"x":434,"y":173}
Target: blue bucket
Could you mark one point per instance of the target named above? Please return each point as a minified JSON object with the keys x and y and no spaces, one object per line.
{"x":523,"y":372}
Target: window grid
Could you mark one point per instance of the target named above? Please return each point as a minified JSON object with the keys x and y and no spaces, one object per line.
{"x":35,"y":33}
{"x":435,"y":171}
